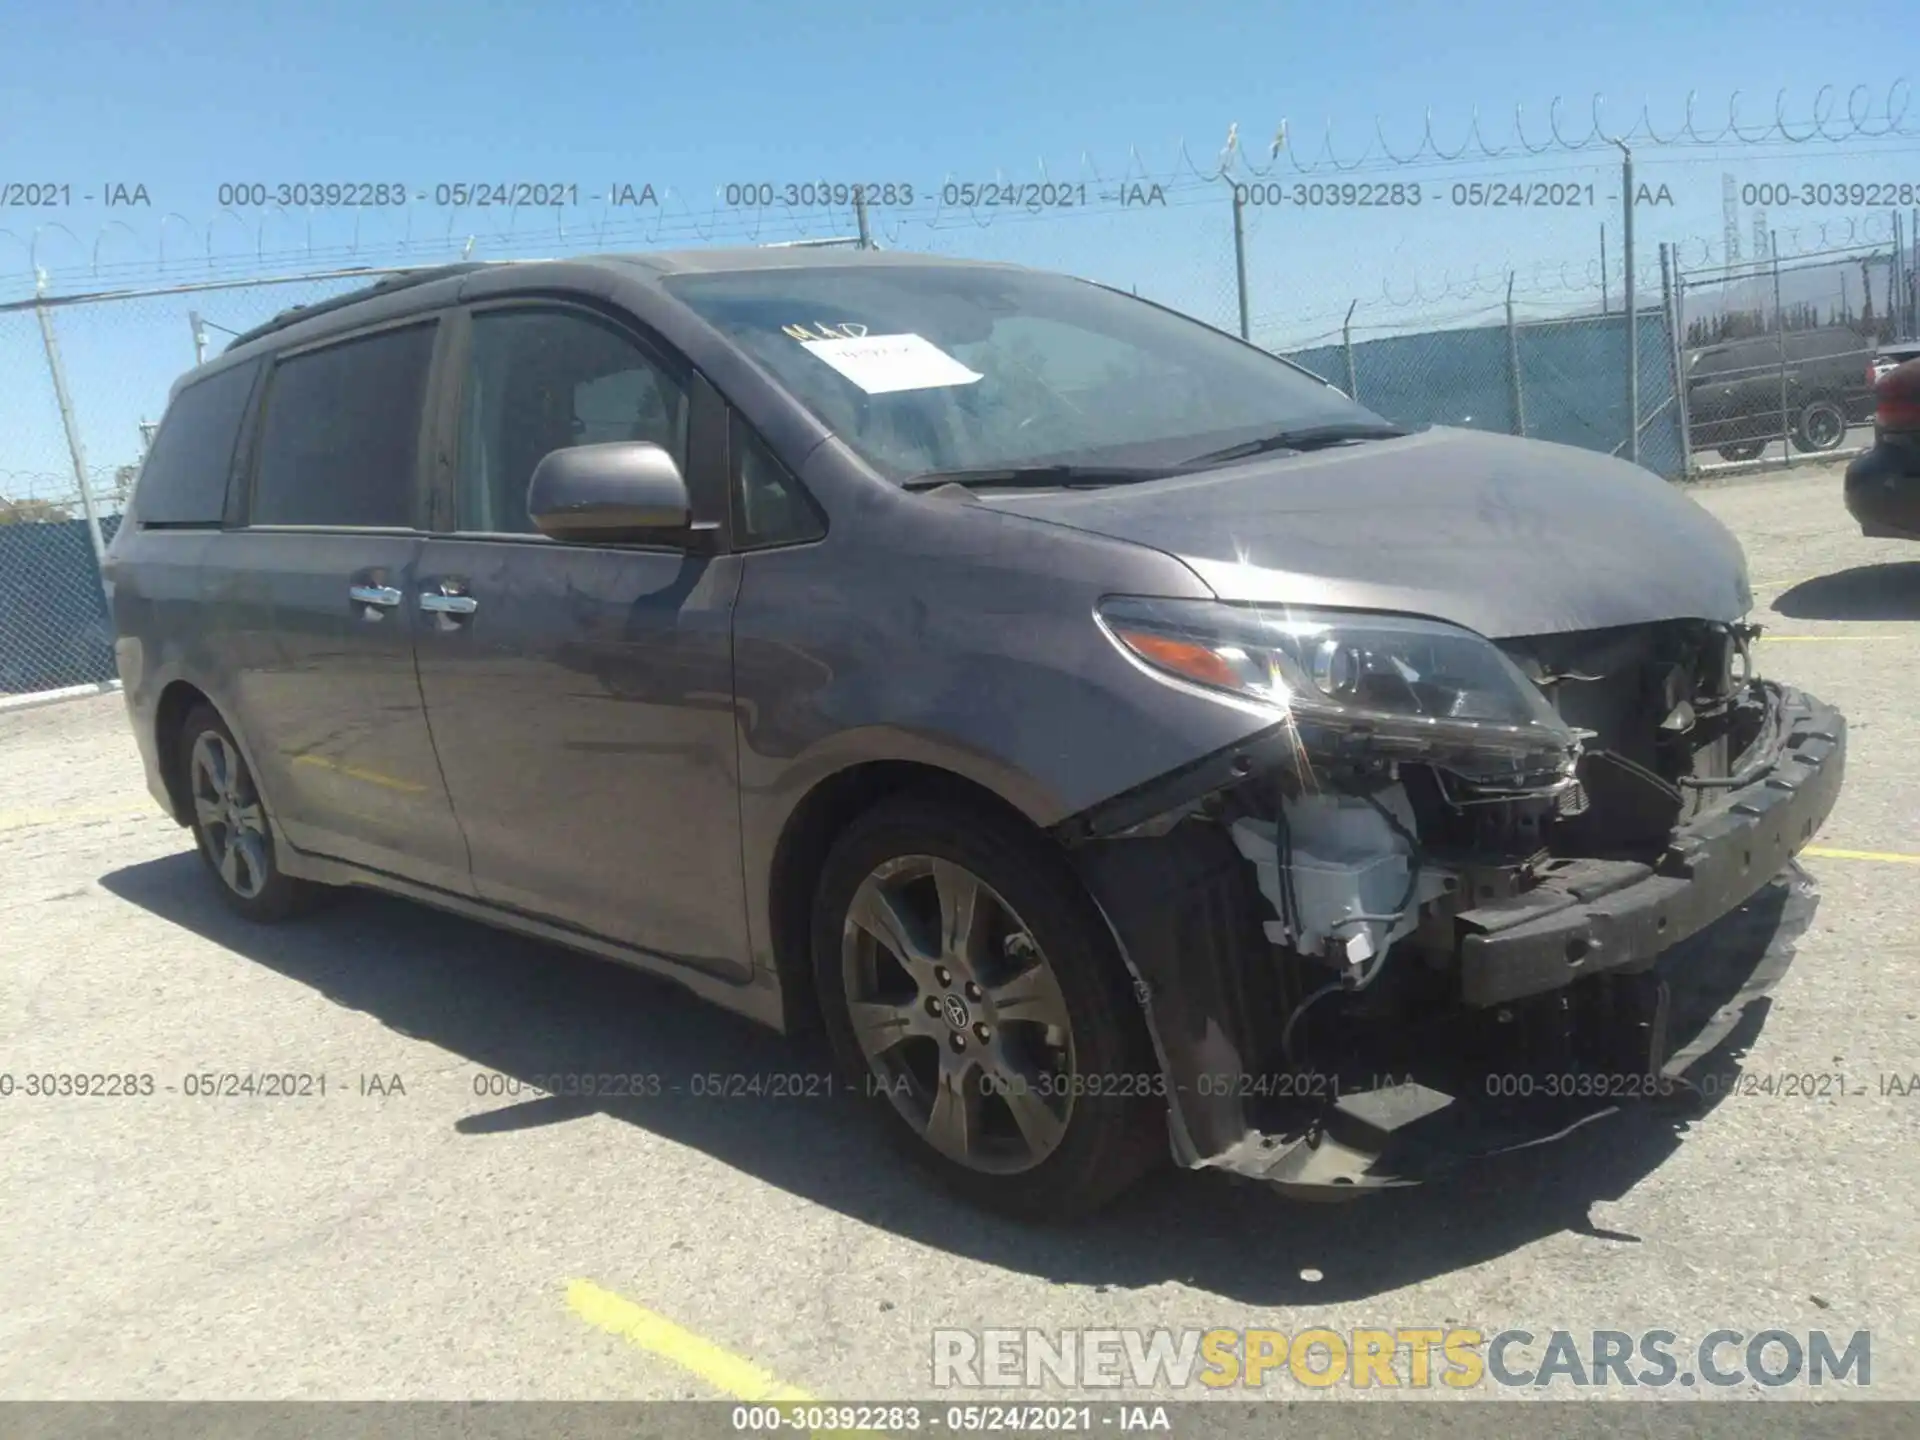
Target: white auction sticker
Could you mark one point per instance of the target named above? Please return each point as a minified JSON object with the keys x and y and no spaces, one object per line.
{"x":882,"y":364}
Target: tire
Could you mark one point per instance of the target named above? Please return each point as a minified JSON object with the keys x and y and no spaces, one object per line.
{"x":1041,"y":1122}
{"x":231,"y":828}
{"x":1821,"y":427}
{"x":1745,"y":450}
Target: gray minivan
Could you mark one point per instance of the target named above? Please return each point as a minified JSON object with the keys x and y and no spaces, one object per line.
{"x":1121,"y":741}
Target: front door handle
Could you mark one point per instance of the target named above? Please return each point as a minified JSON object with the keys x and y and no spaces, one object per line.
{"x":384,"y":596}
{"x":446,"y":599}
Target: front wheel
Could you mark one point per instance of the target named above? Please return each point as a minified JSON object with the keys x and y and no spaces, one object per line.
{"x":970,"y":987}
{"x":231,"y":827}
{"x":1745,"y":450}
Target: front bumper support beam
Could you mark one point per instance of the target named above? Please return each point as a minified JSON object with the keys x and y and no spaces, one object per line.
{"x":1594,"y":916}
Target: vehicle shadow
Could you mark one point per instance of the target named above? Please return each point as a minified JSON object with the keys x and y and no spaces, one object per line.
{"x":523,"y":1009}
{"x":1866,"y":592}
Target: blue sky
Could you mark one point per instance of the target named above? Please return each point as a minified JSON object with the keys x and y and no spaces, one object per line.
{"x":184,"y":97}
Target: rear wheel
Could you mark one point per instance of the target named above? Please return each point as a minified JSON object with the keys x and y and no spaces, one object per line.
{"x":969,"y":986}
{"x":1745,"y":450}
{"x":1822,"y":426}
{"x":231,"y":827}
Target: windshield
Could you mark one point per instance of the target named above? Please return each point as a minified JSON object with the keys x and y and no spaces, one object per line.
{"x":933,"y":368}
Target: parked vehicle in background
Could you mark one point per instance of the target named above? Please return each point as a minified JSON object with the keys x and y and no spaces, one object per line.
{"x":1883,"y":485}
{"x":1735,"y":402}
{"x":1070,"y":706}
{"x":1892,"y":354}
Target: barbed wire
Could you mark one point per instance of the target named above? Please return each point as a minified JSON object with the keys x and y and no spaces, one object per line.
{"x":1560,"y":284}
{"x":672,"y":222}
{"x":1491,"y":287}
{"x":1863,"y":117}
{"x":1862,"y":121}
{"x":673,"y":219}
{"x":1814,"y":238}
{"x":1692,"y":252}
{"x":105,"y":483}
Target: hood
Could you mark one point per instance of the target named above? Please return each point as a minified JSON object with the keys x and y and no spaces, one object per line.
{"x":1505,"y":536}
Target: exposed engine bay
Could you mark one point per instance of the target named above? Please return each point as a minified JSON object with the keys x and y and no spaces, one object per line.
{"x":1416,"y":922}
{"x":1359,"y":855}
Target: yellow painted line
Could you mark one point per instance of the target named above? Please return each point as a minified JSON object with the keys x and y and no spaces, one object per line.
{"x":353,"y":772}
{"x":27,"y":819}
{"x":409,"y":786}
{"x":643,"y":1329}
{"x":1887,"y":857}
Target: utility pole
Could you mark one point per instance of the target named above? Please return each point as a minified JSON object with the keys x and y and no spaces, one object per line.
{"x":1240,"y":256}
{"x":1633,"y":314}
{"x":1674,"y":305}
{"x":1780,"y":338}
{"x":1346,"y":344}
{"x":1730,"y":225}
{"x":1516,"y":397}
{"x":76,"y":452}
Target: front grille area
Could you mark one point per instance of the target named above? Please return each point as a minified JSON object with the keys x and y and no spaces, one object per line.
{"x":1665,"y":706}
{"x":1642,"y":689}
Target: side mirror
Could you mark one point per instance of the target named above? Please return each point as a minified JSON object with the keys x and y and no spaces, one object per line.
{"x":626,"y":491}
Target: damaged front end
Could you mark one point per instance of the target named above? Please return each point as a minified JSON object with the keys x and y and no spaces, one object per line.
{"x":1436,"y":910}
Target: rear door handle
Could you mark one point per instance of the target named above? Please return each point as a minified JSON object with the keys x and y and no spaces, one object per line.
{"x":448,"y":604}
{"x":382,"y":595}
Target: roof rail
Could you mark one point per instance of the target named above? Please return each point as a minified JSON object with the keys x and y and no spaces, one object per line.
{"x":401,"y":280}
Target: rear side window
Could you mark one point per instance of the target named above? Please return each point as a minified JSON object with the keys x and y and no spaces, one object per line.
{"x":341,"y":435}
{"x":184,"y":479}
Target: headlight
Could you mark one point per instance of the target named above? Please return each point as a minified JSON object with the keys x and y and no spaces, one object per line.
{"x":1407,"y":682}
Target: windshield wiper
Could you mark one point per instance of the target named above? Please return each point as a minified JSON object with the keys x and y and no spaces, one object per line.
{"x":1064,"y":477}
{"x":1309,"y":437}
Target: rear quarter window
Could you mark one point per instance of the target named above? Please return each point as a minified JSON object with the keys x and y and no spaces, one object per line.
{"x":184,"y":478}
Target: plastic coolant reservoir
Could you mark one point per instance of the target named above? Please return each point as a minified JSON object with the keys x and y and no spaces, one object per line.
{"x":1347,"y":862}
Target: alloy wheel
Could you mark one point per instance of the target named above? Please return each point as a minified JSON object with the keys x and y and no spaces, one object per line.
{"x":226,"y":809}
{"x":960,"y":1017}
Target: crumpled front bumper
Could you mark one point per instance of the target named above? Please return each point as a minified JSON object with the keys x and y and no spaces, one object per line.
{"x":1593,"y":916}
{"x":1723,"y":906}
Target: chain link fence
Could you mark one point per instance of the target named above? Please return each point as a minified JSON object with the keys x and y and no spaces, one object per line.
{"x":83,"y":384}
{"x":1555,"y":379}
{"x":1778,"y":353}
{"x":54,"y":630}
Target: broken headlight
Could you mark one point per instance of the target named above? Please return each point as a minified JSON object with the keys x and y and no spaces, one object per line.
{"x":1407,"y":687}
